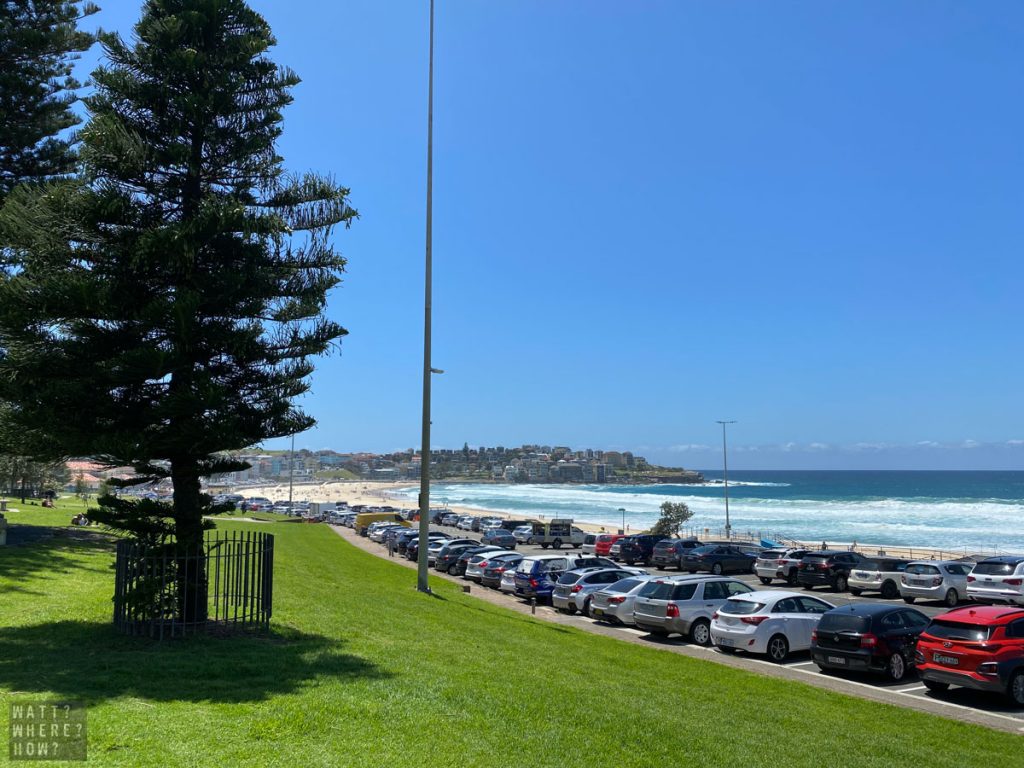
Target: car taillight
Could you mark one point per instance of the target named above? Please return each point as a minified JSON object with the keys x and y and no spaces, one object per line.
{"x":577,"y":588}
{"x":482,"y":565}
{"x":1013,"y":582}
{"x":755,"y":620}
{"x":937,"y":581}
{"x":714,"y":616}
{"x":868,"y":640}
{"x":616,"y":600}
{"x":814,"y":635}
{"x":971,"y":578}
{"x":822,"y":566}
{"x":533,"y":583}
{"x":780,"y":562}
{"x":672,"y":611}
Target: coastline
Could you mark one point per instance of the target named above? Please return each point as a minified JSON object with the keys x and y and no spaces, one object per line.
{"x":376,"y":493}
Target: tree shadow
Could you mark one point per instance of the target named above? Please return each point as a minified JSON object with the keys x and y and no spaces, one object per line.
{"x":91,"y":662}
{"x":35,"y":549}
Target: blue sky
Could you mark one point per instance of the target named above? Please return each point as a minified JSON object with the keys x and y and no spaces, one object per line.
{"x":650,"y":215}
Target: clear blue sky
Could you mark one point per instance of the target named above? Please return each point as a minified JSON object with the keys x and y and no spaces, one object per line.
{"x":649,"y":215}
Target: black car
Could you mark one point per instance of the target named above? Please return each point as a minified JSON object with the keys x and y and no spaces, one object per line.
{"x":828,"y":568}
{"x":668,"y":552}
{"x":639,"y":548}
{"x":449,"y":554}
{"x":868,"y":637}
{"x":458,"y":568}
{"x":717,"y":559}
{"x":491,"y":575}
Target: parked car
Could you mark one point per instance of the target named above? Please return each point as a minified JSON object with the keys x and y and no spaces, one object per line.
{"x":471,"y":564}
{"x":499,"y":537}
{"x":944,"y":580}
{"x":828,"y":568}
{"x":574,"y":589}
{"x":434,"y":549}
{"x":536,"y":576}
{"x":684,"y":604}
{"x":466,"y":522}
{"x":614,"y":603}
{"x":997,"y":580}
{"x":510,"y":525}
{"x":668,"y":552}
{"x":717,"y":559}
{"x":412,"y":549}
{"x":980,"y":647}
{"x":879,"y":574}
{"x":605,"y":542}
{"x":450,"y":518}
{"x":523,"y":533}
{"x":782,"y":563}
{"x":639,"y":548}
{"x":453,"y":559}
{"x":868,"y":637}
{"x":508,"y":580}
{"x":493,"y":569}
{"x":772,"y":622}
{"x":588,"y":544}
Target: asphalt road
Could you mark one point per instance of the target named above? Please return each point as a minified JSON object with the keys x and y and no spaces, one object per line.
{"x":958,"y":703}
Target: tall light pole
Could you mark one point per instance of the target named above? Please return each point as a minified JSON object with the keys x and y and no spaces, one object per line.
{"x":725,"y":476}
{"x":623,"y":511}
{"x":422,"y":583}
{"x":291,"y":473}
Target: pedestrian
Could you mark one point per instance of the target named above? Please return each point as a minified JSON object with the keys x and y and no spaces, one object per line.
{"x":824,"y":546}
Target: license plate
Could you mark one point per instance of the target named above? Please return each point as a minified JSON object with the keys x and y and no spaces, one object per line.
{"x":726,"y":642}
{"x":922,"y":582}
{"x":861,"y":574}
{"x":597,"y":611}
{"x":835,"y":659}
{"x":949,"y":661}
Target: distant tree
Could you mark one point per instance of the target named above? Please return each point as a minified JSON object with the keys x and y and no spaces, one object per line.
{"x":81,"y":487}
{"x":39,"y":44}
{"x":674,"y":515}
{"x":169,"y":303}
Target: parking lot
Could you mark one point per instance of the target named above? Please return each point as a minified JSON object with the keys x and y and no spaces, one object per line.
{"x":959,"y":703}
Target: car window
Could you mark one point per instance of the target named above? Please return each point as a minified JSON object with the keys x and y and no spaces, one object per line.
{"x":1015,"y":628}
{"x":684,"y":591}
{"x":787,"y":605}
{"x":657,"y":590}
{"x":956,"y":570}
{"x":811,"y":605}
{"x":736,"y":588}
{"x":915,"y":619}
{"x":714,"y":590}
{"x":893,"y":620}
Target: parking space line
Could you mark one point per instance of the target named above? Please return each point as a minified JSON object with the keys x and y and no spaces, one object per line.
{"x":910,"y":690}
{"x":975,"y":710}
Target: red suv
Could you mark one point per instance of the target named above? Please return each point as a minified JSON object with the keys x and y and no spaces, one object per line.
{"x":603,"y":545}
{"x":980,"y":647}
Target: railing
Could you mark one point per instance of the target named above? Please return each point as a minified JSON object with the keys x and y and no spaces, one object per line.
{"x":224,"y":583}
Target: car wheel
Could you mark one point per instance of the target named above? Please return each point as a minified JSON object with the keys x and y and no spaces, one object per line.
{"x":630,"y":562}
{"x":935,"y":685}
{"x":727,"y":650}
{"x":840,"y":583}
{"x":908,"y":599}
{"x":1015,"y":690}
{"x":453,"y":570}
{"x":700,"y":632}
{"x":753,"y":568}
{"x":890,"y":591}
{"x":896,"y":669}
{"x":659,"y":566}
{"x":570,"y":608}
{"x":557,"y":543}
{"x":855,"y":592}
{"x":586,"y":608}
{"x":647,"y":562}
{"x":765,"y":580}
{"x":809,"y":587}
{"x":717,"y":569}
{"x":543,"y":546}
{"x":952,"y":598}
{"x":778,"y":648}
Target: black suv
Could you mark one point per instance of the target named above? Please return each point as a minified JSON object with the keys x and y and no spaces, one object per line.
{"x":868,"y":637}
{"x":669,"y":551}
{"x":639,"y":548}
{"x":827,"y":568}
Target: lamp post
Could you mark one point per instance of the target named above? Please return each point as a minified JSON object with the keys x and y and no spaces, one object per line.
{"x":422,"y":583}
{"x":623,"y":529}
{"x":725,"y":477}
{"x":291,"y":473}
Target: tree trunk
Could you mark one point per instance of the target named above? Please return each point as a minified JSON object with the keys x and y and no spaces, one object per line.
{"x":188,"y":529}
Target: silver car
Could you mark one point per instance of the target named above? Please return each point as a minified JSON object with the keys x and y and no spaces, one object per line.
{"x":477,"y":563}
{"x":508,"y":581}
{"x":574,"y":589}
{"x":879,"y":574}
{"x":684,"y":605}
{"x":523,"y":533}
{"x":779,"y":564}
{"x":615,"y":602}
{"x":944,"y":580}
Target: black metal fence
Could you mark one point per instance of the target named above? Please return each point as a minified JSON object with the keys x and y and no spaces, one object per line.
{"x":168,"y":590}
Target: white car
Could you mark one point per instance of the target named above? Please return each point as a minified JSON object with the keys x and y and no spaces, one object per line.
{"x":523,"y":533}
{"x":944,"y":580}
{"x":589,"y":544}
{"x":997,"y":580}
{"x":615,"y":602}
{"x":508,"y":581}
{"x":774,"y":622}
{"x":879,"y":574}
{"x":476,"y":564}
{"x":779,"y":564}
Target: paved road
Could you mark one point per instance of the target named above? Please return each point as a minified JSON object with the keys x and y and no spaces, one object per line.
{"x":958,"y":703}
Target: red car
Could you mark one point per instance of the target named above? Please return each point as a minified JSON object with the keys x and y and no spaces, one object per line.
{"x":603,"y":545}
{"x":980,"y":647}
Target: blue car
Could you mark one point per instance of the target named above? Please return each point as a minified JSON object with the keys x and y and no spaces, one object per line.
{"x":537,"y":576}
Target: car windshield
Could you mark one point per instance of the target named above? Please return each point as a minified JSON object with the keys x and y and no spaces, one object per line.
{"x":657,"y":590}
{"x":624,"y":585}
{"x":951,"y":630}
{"x":569,"y":578}
{"x":922,"y":569}
{"x":994,"y":568}
{"x":773,"y":554}
{"x":703,"y":550}
{"x":740,"y":607}
{"x":844,"y":622}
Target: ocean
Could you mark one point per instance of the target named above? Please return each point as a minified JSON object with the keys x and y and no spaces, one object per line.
{"x":974,"y":511}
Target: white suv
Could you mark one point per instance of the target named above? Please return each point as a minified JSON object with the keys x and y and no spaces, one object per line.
{"x":997,"y":580}
{"x":779,"y":564}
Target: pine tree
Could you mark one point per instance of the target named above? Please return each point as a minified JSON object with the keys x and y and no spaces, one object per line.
{"x":168,"y":304}
{"x":39,"y":44}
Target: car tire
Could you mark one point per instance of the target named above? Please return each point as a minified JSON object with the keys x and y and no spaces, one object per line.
{"x":778,"y":648}
{"x":1015,"y":689}
{"x":700,"y":632}
{"x":809,"y":587}
{"x":647,"y":562}
{"x":840,"y":583}
{"x":544,"y":546}
{"x":753,"y":568}
{"x":557,"y":543}
{"x":630,"y":562}
{"x":856,"y":592}
{"x":935,"y":685}
{"x":896,"y":669}
{"x":890,"y":591}
{"x":952,"y":599}
{"x":586,"y":608}
{"x":717,"y":569}
{"x":765,"y":580}
{"x":909,"y":600}
{"x":726,"y":650}
{"x":453,"y":570}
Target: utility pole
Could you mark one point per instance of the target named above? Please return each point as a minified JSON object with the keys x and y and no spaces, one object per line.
{"x":422,"y":583}
{"x":725,"y":476}
{"x":291,"y":473}
{"x":623,"y":511}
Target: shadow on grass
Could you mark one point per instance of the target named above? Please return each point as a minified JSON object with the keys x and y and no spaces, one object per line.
{"x":91,"y":662}
{"x":37,"y":549}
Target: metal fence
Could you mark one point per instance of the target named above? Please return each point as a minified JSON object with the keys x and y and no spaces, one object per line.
{"x":223,"y":584}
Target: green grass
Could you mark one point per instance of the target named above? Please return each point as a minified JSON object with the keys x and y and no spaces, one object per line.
{"x":359,"y":663}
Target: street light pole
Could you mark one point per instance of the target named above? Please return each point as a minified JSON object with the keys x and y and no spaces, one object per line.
{"x":291,"y":473}
{"x":623,"y":511}
{"x":725,"y":476}
{"x":422,"y":583}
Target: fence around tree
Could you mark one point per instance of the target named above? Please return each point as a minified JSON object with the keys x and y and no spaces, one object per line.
{"x":224,"y":583}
